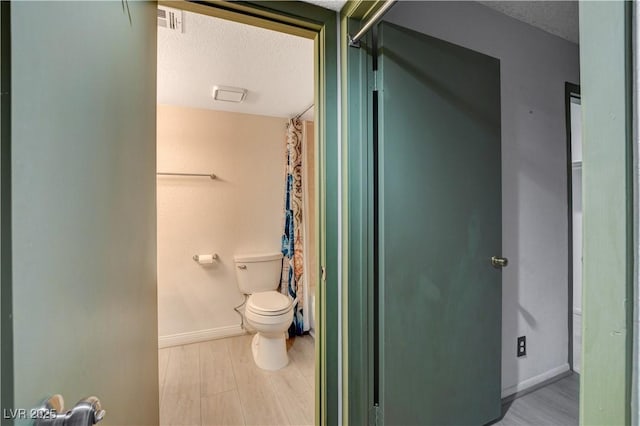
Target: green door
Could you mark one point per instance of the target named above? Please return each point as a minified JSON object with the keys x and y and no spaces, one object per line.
{"x":83,"y":205}
{"x":439,"y":224}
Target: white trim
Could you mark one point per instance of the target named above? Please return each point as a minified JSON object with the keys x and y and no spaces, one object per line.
{"x":199,"y":336}
{"x":526,"y":384}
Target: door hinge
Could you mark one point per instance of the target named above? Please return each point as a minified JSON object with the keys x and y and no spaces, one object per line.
{"x":375,"y":80}
{"x":324,"y":273}
{"x":375,"y":416}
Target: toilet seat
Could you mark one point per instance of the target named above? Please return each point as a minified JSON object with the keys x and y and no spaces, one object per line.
{"x":269,"y":303}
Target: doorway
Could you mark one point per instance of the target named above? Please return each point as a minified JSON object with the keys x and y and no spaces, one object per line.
{"x":534,"y":197}
{"x":574,"y":179}
{"x":102,"y":219}
{"x":237,"y":229}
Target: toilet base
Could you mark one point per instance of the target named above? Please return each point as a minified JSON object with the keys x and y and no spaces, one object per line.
{"x":269,"y":352}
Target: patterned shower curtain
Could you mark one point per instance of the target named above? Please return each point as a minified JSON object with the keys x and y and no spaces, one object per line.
{"x":292,"y":247}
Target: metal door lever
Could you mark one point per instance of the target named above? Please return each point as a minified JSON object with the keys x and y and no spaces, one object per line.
{"x":499,"y":262}
{"x":87,"y":412}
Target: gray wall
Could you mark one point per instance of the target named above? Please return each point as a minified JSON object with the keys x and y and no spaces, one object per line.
{"x":534,"y":68}
{"x":85,"y":307}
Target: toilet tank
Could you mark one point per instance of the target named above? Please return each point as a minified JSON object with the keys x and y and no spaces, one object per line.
{"x":258,"y":272}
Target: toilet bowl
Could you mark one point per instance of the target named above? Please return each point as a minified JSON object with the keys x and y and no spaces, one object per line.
{"x":267,"y":311}
{"x":270,"y":313}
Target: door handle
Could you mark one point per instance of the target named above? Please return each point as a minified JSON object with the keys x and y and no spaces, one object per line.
{"x":87,"y":412}
{"x":499,"y":262}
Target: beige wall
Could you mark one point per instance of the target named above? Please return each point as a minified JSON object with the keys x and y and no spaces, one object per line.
{"x":239,"y":213}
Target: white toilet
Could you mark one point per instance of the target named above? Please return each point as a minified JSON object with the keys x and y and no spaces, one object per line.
{"x":267,"y":310}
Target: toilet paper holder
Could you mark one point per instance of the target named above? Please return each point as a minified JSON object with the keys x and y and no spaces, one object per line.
{"x":196,"y":257}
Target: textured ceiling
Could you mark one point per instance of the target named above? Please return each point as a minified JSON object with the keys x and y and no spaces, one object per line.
{"x":275,"y":68}
{"x":328,"y":4}
{"x":556,"y":17}
{"x":559,"y":18}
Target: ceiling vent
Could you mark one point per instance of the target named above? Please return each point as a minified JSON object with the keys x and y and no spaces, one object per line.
{"x":170,"y":18}
{"x":229,"y":94}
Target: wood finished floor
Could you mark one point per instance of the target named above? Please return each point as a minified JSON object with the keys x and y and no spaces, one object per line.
{"x":553,"y":405}
{"x":218,"y":383}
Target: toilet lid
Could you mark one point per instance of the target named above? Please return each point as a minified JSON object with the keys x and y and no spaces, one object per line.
{"x":268,"y":303}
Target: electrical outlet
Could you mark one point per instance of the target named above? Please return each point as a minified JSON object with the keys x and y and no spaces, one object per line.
{"x":522,"y":346}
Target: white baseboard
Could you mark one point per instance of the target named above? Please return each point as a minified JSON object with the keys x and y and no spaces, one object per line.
{"x":199,"y":336}
{"x":535,"y":380}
